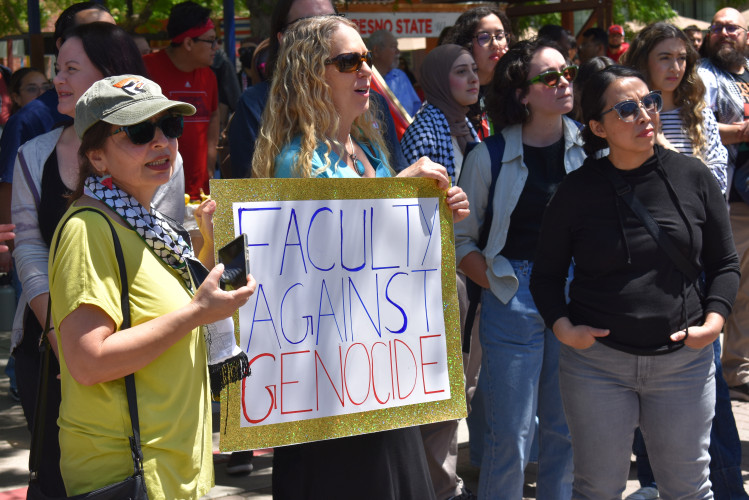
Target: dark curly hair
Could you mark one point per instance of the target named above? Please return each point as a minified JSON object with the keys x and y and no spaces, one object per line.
{"x":503,"y":101}
{"x":593,"y":102}
{"x":464,"y":29}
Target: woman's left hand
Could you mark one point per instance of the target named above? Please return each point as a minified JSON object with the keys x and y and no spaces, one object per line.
{"x":204,"y":218}
{"x":701,"y":336}
{"x":424,"y":167}
{"x":457,"y":200}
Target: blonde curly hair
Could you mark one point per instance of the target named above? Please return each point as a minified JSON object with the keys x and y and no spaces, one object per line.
{"x":300,"y":102}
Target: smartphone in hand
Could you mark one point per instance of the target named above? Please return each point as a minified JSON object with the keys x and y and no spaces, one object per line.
{"x":235,"y":257}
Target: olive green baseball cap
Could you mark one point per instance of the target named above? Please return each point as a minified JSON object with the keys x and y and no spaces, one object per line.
{"x":123,"y":100}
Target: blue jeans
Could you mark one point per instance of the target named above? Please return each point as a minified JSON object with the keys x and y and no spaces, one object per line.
{"x":608,"y":393}
{"x":520,"y":379}
{"x":725,"y":445}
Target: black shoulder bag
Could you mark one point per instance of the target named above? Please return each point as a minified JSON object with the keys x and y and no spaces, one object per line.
{"x":624,"y":191}
{"x":133,"y":487}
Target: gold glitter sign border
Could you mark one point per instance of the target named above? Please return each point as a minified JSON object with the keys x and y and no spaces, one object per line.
{"x":232,"y":436}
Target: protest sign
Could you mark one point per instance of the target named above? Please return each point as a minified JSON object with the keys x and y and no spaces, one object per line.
{"x":354,"y":325}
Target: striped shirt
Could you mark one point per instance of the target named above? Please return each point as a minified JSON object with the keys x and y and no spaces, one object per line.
{"x":715,"y":155}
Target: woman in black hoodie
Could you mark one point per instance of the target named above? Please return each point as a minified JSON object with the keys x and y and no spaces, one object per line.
{"x":638,"y":329}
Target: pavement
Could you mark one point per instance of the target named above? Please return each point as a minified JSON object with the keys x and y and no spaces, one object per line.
{"x":15,"y":438}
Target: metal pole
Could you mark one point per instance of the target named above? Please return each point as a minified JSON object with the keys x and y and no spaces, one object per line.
{"x":35,"y":35}
{"x":229,"y":35}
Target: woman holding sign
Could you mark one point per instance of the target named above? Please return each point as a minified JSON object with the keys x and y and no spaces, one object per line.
{"x":319,"y":123}
{"x":535,"y":148}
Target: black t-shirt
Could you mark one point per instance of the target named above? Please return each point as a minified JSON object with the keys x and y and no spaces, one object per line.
{"x":545,"y":173}
{"x":54,"y":198}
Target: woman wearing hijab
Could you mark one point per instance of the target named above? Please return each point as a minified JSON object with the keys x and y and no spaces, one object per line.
{"x":440,"y":130}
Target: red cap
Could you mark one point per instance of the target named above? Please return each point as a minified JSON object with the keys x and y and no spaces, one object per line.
{"x":615,"y":29}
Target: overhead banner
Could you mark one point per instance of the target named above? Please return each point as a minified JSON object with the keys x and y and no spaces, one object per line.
{"x":354,"y":324}
{"x":403,"y":24}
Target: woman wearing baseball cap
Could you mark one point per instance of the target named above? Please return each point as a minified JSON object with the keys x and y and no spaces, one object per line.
{"x":129,"y":132}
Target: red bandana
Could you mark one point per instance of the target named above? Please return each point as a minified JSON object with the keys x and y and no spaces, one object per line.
{"x":193,"y":32}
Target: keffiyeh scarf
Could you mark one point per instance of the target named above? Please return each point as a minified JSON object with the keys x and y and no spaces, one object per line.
{"x":167,"y":239}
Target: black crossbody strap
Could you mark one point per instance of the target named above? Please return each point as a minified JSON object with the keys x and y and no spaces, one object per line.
{"x":132,"y":400}
{"x":625,"y":192}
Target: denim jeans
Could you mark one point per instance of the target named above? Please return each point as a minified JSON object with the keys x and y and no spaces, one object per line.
{"x":725,"y":445}
{"x":520,"y":379}
{"x":608,"y":393}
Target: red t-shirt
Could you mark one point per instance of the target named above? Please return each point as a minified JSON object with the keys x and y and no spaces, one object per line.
{"x":616,"y":55}
{"x":5,"y":103}
{"x":200,"y":89}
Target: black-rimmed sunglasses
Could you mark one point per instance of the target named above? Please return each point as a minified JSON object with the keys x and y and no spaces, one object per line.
{"x":629,"y":110}
{"x":350,"y":62}
{"x":552,"y":78}
{"x":144,"y":132}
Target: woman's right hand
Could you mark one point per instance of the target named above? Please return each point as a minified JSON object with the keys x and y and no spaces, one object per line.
{"x":212,"y":304}
{"x":6,"y":234}
{"x":576,"y":336}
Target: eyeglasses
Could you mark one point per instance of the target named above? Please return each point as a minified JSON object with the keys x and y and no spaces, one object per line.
{"x":484,"y":38}
{"x":629,"y":110}
{"x":552,"y":78}
{"x":717,"y":29}
{"x":144,"y":132}
{"x":215,"y":42}
{"x":36,"y":89}
{"x":350,"y":62}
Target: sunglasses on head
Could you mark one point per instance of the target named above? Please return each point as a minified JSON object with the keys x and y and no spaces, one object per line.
{"x":629,"y":110}
{"x":350,"y":62}
{"x":144,"y":132}
{"x":552,"y":78}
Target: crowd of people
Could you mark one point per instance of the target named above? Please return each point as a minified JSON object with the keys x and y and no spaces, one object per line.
{"x":599,"y":194}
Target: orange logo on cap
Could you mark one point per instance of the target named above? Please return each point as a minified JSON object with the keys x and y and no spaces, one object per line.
{"x":131,"y":85}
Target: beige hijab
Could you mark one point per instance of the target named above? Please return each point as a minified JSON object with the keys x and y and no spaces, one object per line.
{"x":435,"y":80}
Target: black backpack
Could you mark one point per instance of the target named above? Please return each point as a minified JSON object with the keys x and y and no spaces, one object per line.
{"x":496,"y":146}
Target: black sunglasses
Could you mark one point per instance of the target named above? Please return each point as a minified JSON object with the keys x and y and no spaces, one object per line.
{"x":629,"y":109}
{"x":350,"y":62}
{"x":144,"y":132}
{"x":552,"y":78}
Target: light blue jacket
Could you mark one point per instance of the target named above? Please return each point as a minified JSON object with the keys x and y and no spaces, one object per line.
{"x":475,"y":179}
